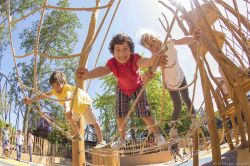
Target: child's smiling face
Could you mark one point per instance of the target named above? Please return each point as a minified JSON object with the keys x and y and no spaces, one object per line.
{"x":122,"y":52}
{"x":58,"y":87}
{"x":153,"y":44}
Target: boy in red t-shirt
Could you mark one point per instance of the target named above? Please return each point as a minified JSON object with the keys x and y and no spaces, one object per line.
{"x":125,"y":66}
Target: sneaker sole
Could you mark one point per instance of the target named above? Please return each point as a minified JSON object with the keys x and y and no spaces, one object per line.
{"x":101,"y":147}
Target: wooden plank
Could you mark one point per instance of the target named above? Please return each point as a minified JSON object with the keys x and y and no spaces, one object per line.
{"x":78,"y":147}
{"x":106,"y":157}
{"x":143,"y":159}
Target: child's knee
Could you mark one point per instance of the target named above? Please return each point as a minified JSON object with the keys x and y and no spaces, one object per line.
{"x":69,"y":115}
{"x":96,"y":124}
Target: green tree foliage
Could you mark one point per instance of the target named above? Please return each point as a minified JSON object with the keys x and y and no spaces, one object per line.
{"x":18,"y":8}
{"x":57,"y":37}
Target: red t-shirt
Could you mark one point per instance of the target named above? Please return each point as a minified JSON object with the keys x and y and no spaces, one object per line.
{"x":127,"y":74}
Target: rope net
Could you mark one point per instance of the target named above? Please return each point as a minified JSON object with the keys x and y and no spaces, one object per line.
{"x":226,"y":26}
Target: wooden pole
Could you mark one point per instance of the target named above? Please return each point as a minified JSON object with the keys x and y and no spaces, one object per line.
{"x":195,"y":149}
{"x":78,"y":147}
{"x":222,"y":107}
{"x":241,"y":126}
{"x":216,"y":154}
{"x":227,"y":131}
{"x":236,"y":136}
{"x":245,"y":108}
{"x":206,"y":87}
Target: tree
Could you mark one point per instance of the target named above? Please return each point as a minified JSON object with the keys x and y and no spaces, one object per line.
{"x":17,"y":9}
{"x":57,"y":37}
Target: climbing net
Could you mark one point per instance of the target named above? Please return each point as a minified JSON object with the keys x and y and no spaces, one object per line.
{"x":36,"y":50}
{"x":235,"y":48}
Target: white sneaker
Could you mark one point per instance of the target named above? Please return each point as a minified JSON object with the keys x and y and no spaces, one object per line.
{"x":118,"y":144}
{"x":101,"y":144}
{"x":159,"y":139}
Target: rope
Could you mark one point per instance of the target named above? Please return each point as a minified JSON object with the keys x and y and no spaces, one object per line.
{"x":81,"y":9}
{"x":106,"y":34}
{"x":37,"y":44}
{"x":44,"y":55}
{"x":36,"y":53}
{"x":27,"y":15}
{"x":11,"y":44}
{"x":51,"y":122}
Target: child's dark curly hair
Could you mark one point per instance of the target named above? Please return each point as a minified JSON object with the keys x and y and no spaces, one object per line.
{"x":57,"y":77}
{"x":120,"y":39}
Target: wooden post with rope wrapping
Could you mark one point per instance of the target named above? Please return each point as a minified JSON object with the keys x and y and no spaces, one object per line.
{"x":105,"y":157}
{"x":78,"y":147}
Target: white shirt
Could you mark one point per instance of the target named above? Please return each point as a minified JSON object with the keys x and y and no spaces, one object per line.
{"x":19,"y":139}
{"x":174,"y":75}
{"x":30,"y":140}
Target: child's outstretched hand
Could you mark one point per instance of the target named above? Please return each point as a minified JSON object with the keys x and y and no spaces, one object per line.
{"x":28,"y":101}
{"x":81,"y":73}
{"x":196,"y":34}
{"x":147,"y":76}
{"x":162,"y":59}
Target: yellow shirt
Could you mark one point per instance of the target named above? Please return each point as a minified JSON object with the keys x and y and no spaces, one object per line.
{"x":81,"y":100}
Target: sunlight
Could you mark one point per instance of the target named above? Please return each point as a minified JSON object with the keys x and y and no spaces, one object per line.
{"x":184,"y":3}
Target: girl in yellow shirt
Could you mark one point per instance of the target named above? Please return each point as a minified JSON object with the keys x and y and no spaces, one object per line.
{"x":79,"y":101}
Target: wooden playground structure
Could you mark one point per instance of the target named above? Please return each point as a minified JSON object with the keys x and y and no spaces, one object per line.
{"x":227,"y":41}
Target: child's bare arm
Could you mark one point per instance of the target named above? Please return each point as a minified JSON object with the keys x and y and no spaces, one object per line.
{"x":36,"y":98}
{"x":188,"y":39}
{"x":67,"y":106}
{"x":148,"y":75}
{"x":146,"y":62}
{"x":184,"y":40}
{"x":84,"y":74}
{"x":150,"y":62}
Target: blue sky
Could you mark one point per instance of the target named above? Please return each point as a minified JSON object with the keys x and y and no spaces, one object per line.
{"x":132,"y":17}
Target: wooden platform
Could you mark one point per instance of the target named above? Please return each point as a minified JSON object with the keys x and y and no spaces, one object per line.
{"x":243,"y":157}
{"x":159,"y":157}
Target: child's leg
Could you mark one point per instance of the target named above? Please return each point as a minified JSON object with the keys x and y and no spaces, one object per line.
{"x":98,"y":132}
{"x":191,"y":150}
{"x":90,"y":119}
{"x":144,"y":112}
{"x":185,"y":97}
{"x":121,"y":129}
{"x":176,"y":99}
{"x":174,"y":156}
{"x":73,"y":124}
{"x":122,"y":103}
{"x":178,"y":153}
{"x":150,"y":122}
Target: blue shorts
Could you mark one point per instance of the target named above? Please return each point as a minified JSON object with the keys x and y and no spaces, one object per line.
{"x":123,"y":106}
{"x":5,"y":144}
